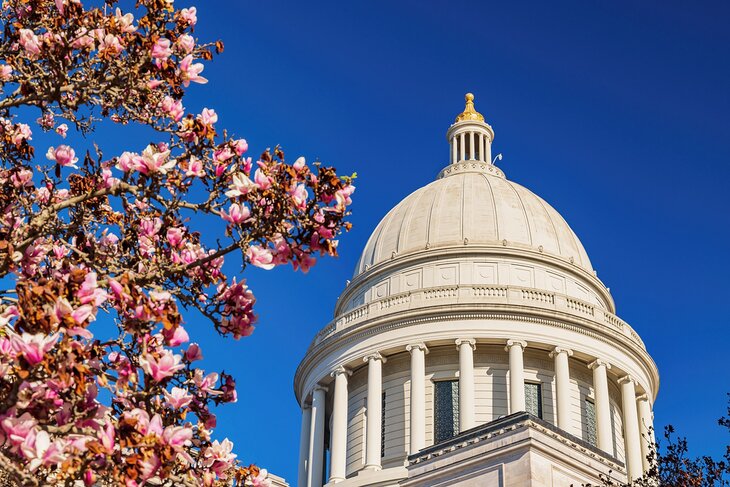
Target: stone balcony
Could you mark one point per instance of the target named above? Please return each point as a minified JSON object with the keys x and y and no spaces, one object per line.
{"x":500,"y":296}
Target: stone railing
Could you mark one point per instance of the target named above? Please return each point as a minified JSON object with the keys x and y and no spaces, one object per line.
{"x":475,"y":294}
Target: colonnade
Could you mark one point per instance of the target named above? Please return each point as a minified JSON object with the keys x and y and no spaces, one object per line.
{"x":636,"y":411}
{"x":472,"y":145}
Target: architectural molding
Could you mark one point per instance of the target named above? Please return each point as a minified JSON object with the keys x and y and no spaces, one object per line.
{"x":469,"y":341}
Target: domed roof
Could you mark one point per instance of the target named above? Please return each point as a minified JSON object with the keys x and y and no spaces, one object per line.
{"x":472,"y":204}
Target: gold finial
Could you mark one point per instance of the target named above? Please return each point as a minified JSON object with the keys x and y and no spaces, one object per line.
{"x":469,"y":112}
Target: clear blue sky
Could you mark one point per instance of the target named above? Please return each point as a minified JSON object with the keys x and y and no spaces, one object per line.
{"x":617,"y":113}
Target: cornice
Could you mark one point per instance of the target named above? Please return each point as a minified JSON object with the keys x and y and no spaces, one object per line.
{"x":472,"y":311}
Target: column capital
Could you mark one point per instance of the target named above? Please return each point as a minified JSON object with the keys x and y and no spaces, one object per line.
{"x":306,"y":406}
{"x":374,"y":356}
{"x":417,"y":346}
{"x":642,"y":397}
{"x":626,"y":379}
{"x":597,"y":363}
{"x":339,"y":371}
{"x":320,"y":387}
{"x":512,"y":343}
{"x":461,"y":341}
{"x":558,"y":350}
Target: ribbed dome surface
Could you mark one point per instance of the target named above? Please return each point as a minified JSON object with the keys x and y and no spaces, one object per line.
{"x":477,"y":207}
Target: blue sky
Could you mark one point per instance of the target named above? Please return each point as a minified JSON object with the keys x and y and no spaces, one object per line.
{"x":617,"y":113}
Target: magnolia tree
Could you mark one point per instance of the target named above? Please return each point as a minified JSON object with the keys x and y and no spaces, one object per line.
{"x":86,"y":234}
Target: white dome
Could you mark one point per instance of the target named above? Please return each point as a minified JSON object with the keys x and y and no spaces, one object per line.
{"x":472,"y":204}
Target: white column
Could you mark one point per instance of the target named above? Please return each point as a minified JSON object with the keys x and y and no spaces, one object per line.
{"x":338,"y":448}
{"x":562,"y":385}
{"x":603,"y":406}
{"x":374,"y":411}
{"x":487,"y":149}
{"x":418,"y":396}
{"x":472,"y":147}
{"x":632,"y":438}
{"x":646,"y":429}
{"x":466,"y":347}
{"x":454,"y":147}
{"x":482,"y":145}
{"x":315,"y":462}
{"x":304,"y":445}
{"x":462,"y":138}
{"x":516,"y":375}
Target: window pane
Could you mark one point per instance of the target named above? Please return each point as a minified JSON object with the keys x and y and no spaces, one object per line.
{"x":590,"y":422}
{"x":533,"y":399}
{"x":446,"y":410}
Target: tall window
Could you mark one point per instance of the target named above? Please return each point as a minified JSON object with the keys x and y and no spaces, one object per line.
{"x":533,"y":399}
{"x":590,"y":421}
{"x":446,"y":410}
{"x":382,"y":425}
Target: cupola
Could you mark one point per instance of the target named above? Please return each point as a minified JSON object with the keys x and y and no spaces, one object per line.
{"x":470,"y":136}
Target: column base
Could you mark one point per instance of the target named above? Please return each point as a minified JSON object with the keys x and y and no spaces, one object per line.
{"x":371,"y":468}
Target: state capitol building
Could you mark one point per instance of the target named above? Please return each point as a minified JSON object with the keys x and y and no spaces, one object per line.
{"x":475,"y":346}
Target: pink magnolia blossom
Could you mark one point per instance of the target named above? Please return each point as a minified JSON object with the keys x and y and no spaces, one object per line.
{"x":153,"y":161}
{"x":64,"y":156}
{"x":240,"y":146}
{"x":161,"y":51}
{"x":125,"y":162}
{"x":300,"y":164}
{"x":124,"y":21}
{"x":34,"y":347}
{"x":260,"y":257}
{"x":236,"y":214}
{"x":149,"y":467}
{"x":261,"y":180}
{"x":173,"y":108}
{"x":90,"y":293}
{"x":177,"y":436}
{"x":261,"y":479}
{"x":190,"y":72}
{"x":193,"y":353}
{"x":5,"y":72}
{"x":39,"y":449}
{"x":177,"y":337}
{"x":195,"y":167}
{"x":62,"y":129}
{"x":218,"y":457}
{"x":161,"y":368}
{"x":304,"y":261}
{"x":208,"y":116}
{"x":186,"y":43}
{"x":22,"y":132}
{"x":17,"y":429}
{"x":175,"y":236}
{"x":206,"y":383}
{"x":110,"y":45}
{"x":241,"y":185}
{"x":299,"y":196}
{"x":189,"y":15}
{"x":178,"y":398}
{"x":150,"y":226}
{"x":30,"y":42}
{"x":222,"y":155}
{"x":22,"y":178}
{"x":107,"y":436}
{"x":342,"y":197}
